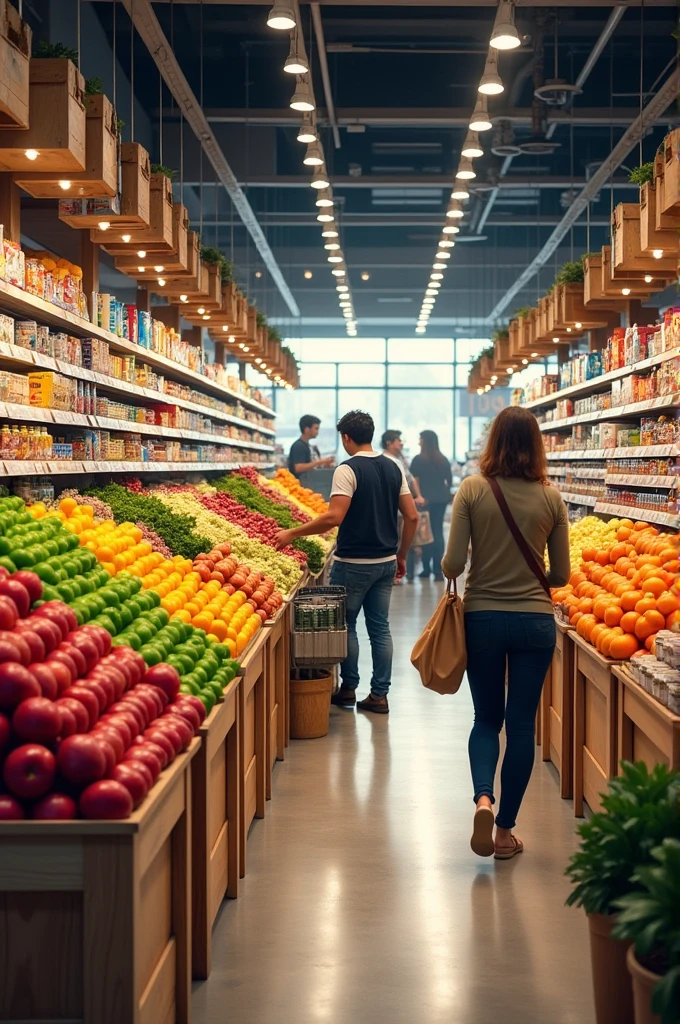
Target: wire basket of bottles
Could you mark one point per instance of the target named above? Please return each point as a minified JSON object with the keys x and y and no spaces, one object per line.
{"x":319,"y":626}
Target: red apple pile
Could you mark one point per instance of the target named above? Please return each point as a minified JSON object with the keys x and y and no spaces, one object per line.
{"x":85,"y":729}
{"x":219,"y":564}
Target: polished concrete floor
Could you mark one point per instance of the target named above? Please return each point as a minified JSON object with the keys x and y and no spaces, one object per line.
{"x":363,"y":902}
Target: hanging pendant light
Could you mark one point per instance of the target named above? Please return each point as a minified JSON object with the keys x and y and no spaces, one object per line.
{"x":454,"y":211}
{"x":505,"y":36}
{"x":465,"y":170}
{"x":302,"y":98}
{"x":324,"y":198}
{"x":460,"y":192}
{"x":330,"y":232}
{"x":320,"y":179}
{"x":314,"y":155}
{"x":491,"y":83}
{"x":471,"y":147}
{"x":296,"y":61}
{"x":479,"y":122}
{"x":324,"y":218}
{"x":307,"y":132}
{"x":282,"y":16}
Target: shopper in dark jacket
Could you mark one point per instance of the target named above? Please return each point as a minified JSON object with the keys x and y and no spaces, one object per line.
{"x":432,"y":473}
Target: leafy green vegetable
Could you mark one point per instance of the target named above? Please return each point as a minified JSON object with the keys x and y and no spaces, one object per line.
{"x":523,"y":311}
{"x":94,"y":86}
{"x":643,"y":174}
{"x":651,"y":918}
{"x":56,"y":50}
{"x":162,"y":169}
{"x":639,"y":811}
{"x":571,"y":273}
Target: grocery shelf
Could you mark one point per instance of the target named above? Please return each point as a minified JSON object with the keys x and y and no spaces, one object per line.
{"x":618,"y":412}
{"x":578,"y":499}
{"x":670,"y":519}
{"x":634,"y":452}
{"x":640,"y":480}
{"x":24,"y":413}
{"x":596,"y":382}
{"x":16,"y":301}
{"x":22,"y":356}
{"x":580,"y":474}
{"x":28,"y":468}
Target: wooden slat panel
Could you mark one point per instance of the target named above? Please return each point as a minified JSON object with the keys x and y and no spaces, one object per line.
{"x":217,"y":795}
{"x":250,"y":793}
{"x":248,"y":738}
{"x":594,"y":781}
{"x":218,"y":872}
{"x":161,"y":822}
{"x":596,"y":724}
{"x":555,"y":739}
{"x":24,"y":867}
{"x":155,"y":894}
{"x":644,"y":749}
{"x":273,"y":733}
{"x":157,"y":1005}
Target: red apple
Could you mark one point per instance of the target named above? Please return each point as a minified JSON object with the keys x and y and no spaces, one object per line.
{"x":81,"y":760}
{"x":4,"y":573}
{"x":55,"y":807}
{"x":113,"y":676}
{"x":33,"y":639}
{"x":17,"y":640}
{"x":78,"y":709}
{"x":134,"y":660}
{"x":61,"y":673}
{"x":117,"y":722}
{"x":29,"y":771}
{"x":87,"y":645}
{"x":99,"y":689}
{"x":65,"y":658}
{"x":130,"y":776}
{"x":191,"y":698}
{"x":69,"y":722}
{"x":10,"y":809}
{"x":137,"y":708}
{"x":160,"y":750}
{"x":109,"y":752}
{"x":108,"y":800}
{"x":173,"y":734}
{"x":88,"y":699}
{"x":188,"y":713}
{"x":54,"y":615}
{"x":31,"y":581}
{"x":47,"y":630}
{"x":184,"y":728}
{"x":113,"y":737}
{"x":76,"y":654}
{"x":142,"y":753}
{"x":37,"y":720}
{"x":162,"y":739}
{"x":62,"y":609}
{"x":165,"y":677}
{"x":158,"y":696}
{"x":101,"y":637}
{"x":143,"y":770}
{"x":8,"y":613}
{"x":16,"y":592}
{"x":9,"y":651}
{"x":119,"y":711}
{"x":148,"y":701}
{"x":16,"y":684}
{"x":5,"y":732}
{"x":123,"y":665}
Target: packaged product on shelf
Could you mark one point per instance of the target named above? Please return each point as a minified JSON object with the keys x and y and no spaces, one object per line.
{"x":95,"y":355}
{"x":62,"y":452}
{"x":26,"y":334}
{"x":13,"y":388}
{"x":130,"y":317}
{"x":34,"y":272}
{"x":144,"y":328}
{"x":50,"y":390}
{"x":6,"y":329}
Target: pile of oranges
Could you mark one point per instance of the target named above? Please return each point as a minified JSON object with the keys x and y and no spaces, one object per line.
{"x":309,"y":499}
{"x":622,"y":595}
{"x":226,"y":618}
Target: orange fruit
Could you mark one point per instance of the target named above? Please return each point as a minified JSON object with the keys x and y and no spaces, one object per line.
{"x":649,"y":623}
{"x":68,"y":505}
{"x":653,"y":585}
{"x":647,"y":603}
{"x":628,"y":621}
{"x":622,"y":647}
{"x":630,"y":599}
{"x":613,"y":615}
{"x":650,"y":643}
{"x":667,"y":603}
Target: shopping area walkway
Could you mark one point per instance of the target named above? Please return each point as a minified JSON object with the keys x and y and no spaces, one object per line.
{"x":363,"y":903}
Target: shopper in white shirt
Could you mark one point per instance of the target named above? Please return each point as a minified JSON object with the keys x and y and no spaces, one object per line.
{"x":368,"y":492}
{"x":393,"y":447}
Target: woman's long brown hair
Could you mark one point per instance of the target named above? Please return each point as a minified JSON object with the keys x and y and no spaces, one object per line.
{"x":515,"y":446}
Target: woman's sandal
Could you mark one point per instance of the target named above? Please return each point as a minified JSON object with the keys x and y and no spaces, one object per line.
{"x":482,"y":832}
{"x":507,"y":853}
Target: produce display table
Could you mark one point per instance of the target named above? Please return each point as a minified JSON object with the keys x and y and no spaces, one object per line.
{"x":595,"y":718}
{"x":252,"y":711}
{"x":215,"y":845}
{"x":96,"y":914}
{"x":278,"y":679}
{"x":647,"y":730}
{"x":557,"y":710}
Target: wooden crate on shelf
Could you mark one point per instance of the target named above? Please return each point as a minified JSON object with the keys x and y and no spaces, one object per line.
{"x":15,"y":51}
{"x":647,"y":731}
{"x":670,"y":195}
{"x":127,"y":212}
{"x":100,"y":913}
{"x":159,"y":228}
{"x":100,"y":177}
{"x":595,"y":724}
{"x":557,"y":711}
{"x":514,"y":339}
{"x":573,"y":309}
{"x":176,"y":261}
{"x":627,"y":257}
{"x":657,"y":230}
{"x":57,"y":121}
{"x":215,"y":845}
{"x":613,"y":284}
{"x":253,"y":734}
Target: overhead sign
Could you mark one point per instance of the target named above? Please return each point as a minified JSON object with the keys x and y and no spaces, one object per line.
{"x":486,"y":405}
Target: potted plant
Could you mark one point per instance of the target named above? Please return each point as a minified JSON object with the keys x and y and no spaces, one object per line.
{"x":639,"y":811}
{"x":643,"y":174}
{"x":650,"y":919}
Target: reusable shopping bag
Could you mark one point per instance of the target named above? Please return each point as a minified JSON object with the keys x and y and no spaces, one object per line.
{"x":440,"y":655}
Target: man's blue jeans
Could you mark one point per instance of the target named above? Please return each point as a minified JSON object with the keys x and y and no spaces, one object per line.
{"x":524,"y":642}
{"x":368,"y":586}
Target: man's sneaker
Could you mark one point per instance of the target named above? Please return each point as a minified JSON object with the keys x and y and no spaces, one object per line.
{"x":344,"y":698}
{"x":378,"y":705}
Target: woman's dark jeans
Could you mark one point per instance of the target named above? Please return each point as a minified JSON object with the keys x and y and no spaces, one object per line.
{"x":524,"y":641}
{"x":434,"y":552}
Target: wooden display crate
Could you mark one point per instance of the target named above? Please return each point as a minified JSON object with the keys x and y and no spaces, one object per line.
{"x":15,"y":50}
{"x":647,"y":731}
{"x":194,"y":288}
{"x":159,"y":228}
{"x":176,"y":261}
{"x":100,"y":177}
{"x":557,"y":710}
{"x":657,"y":230}
{"x":670,"y":194}
{"x":57,"y":121}
{"x":573,"y":310}
{"x":253,"y":733}
{"x":278,"y":685}
{"x":595,"y":720}
{"x":628,"y":258}
{"x":127,"y":212}
{"x":99,"y":913}
{"x":215,"y":839}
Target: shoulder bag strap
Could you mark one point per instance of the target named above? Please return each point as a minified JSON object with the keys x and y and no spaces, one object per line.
{"x":514,"y":530}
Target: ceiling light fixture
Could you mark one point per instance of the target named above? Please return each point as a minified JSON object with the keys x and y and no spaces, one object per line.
{"x":657,"y":254}
{"x":439,"y":266}
{"x":324,"y":198}
{"x":460,"y":192}
{"x":446,"y":243}
{"x":491,"y":83}
{"x":479,"y":122}
{"x":436,"y":276}
{"x":465,"y":170}
{"x":126,"y":238}
{"x":104,"y":225}
{"x":443,"y":255}
{"x":200,"y":310}
{"x":302,"y":98}
{"x":330,"y":232}
{"x":296,"y":61}
{"x":338,"y":272}
{"x":625,"y":291}
{"x":185,"y":298}
{"x":324,"y":218}
{"x":282,"y":16}
{"x":32,"y":154}
{"x":648,"y":279}
{"x":556,"y":341}
{"x":141,"y":269}
{"x":206,"y":316}
{"x":314,"y":155}
{"x":161,"y":282}
{"x":578,"y":325}
{"x":159,"y":269}
{"x":332,"y":246}
{"x":320,"y":179}
{"x":141,"y":253}
{"x":337,"y":258}
{"x":308,"y":275}
{"x":471,"y":147}
{"x":65,"y":185}
{"x":365,"y":276}
{"x":505,"y":36}
{"x":454,"y":211}
{"x":307,"y":132}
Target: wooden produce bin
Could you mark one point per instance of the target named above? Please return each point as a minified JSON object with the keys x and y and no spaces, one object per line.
{"x":57,"y":121}
{"x":15,"y":49}
{"x":96,"y":914}
{"x":647,"y":730}
{"x":557,"y":710}
{"x":253,"y":735}
{"x":278,"y":685}
{"x":595,"y":722}
{"x":159,"y":229}
{"x":215,"y":842}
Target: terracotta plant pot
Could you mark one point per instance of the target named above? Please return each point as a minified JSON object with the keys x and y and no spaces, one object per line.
{"x":612,"y":987}
{"x":643,"y":985}
{"x":310,"y":705}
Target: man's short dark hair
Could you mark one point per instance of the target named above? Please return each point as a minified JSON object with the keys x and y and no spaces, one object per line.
{"x":389,"y":436}
{"x":308,"y":421}
{"x":358,"y":426}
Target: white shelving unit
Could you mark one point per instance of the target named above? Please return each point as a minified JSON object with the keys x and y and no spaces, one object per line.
{"x":28,"y":468}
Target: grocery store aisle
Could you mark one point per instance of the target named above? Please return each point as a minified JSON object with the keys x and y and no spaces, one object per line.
{"x":363,"y":902}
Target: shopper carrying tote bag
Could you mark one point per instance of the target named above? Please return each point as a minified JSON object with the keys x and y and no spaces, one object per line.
{"x":508,"y":515}
{"x":439,"y":653}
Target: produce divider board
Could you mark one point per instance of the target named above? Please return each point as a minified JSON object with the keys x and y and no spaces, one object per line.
{"x":39,"y":468}
{"x":647,"y":730}
{"x":557,"y":710}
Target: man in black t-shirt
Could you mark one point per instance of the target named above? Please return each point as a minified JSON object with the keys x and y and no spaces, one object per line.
{"x":304,"y":456}
{"x":368,"y":492}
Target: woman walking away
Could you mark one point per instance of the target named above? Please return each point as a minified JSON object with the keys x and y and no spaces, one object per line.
{"x":432,"y":474}
{"x":509,"y":513}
